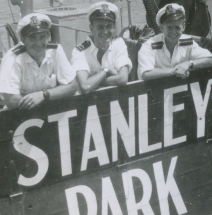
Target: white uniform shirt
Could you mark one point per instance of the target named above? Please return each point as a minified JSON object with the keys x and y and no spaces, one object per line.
{"x":20,"y":74}
{"x":116,"y":56}
{"x":154,"y":53}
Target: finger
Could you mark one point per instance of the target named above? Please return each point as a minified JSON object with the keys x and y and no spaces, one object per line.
{"x":29,"y":105}
{"x":23,"y":100}
{"x":175,"y":70}
{"x":26,"y":104}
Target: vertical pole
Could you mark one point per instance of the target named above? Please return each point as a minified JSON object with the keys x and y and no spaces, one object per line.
{"x":51,"y":3}
{"x":26,"y":6}
{"x":129,"y":11}
{"x":121,"y":17}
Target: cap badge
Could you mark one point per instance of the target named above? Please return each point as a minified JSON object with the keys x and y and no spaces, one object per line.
{"x":170,"y":10}
{"x":34,"y":21}
{"x":105,"y":9}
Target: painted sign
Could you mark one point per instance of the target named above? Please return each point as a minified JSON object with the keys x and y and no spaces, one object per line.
{"x":115,"y":151}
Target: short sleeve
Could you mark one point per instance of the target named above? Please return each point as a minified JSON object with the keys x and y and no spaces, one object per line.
{"x":199,"y":52}
{"x":10,"y":74}
{"x":146,"y":59}
{"x":64,"y":70}
{"x":121,"y":58}
{"x":79,"y":61}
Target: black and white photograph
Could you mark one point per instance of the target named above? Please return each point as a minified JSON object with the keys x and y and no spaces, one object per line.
{"x":105,"y":107}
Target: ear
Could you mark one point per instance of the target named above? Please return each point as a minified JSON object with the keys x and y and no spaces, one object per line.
{"x":184,"y":26}
{"x":91,"y":27}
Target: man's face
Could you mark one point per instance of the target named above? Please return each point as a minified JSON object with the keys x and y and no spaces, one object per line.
{"x":103,"y":31}
{"x":173,"y":31}
{"x":36,"y":44}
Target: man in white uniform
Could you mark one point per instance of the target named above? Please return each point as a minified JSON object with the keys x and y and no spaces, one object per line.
{"x":171,"y":53}
{"x":34,"y":71}
{"x":103,"y":58}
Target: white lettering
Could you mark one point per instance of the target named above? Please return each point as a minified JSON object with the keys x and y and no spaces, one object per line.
{"x":143,"y":126}
{"x":170,"y":186}
{"x":94,"y":129}
{"x":64,"y":139}
{"x":90,"y":198}
{"x":109,"y":198}
{"x":169,"y":109}
{"x":25,"y":148}
{"x":143,"y":205}
{"x":118,"y":123}
{"x":200,"y":105}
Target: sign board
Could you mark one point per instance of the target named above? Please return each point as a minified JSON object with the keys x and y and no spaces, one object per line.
{"x":143,"y":148}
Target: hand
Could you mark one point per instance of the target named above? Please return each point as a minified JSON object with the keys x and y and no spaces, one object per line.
{"x":31,"y":100}
{"x":112,"y":71}
{"x":135,"y":32}
{"x":182,"y":70}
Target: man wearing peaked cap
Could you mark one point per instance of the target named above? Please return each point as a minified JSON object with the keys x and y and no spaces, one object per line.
{"x":34,"y":70}
{"x":103,"y":58}
{"x":172,"y":52}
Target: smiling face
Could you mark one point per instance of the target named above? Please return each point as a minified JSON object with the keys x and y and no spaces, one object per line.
{"x":103,"y":31}
{"x":173,"y":30}
{"x":36,"y":44}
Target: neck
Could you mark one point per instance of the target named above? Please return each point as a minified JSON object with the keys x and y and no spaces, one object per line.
{"x":101,"y":47}
{"x":39,"y":59}
{"x":170,"y":46}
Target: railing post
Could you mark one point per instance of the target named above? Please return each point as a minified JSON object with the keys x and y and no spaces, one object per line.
{"x":76,"y":36}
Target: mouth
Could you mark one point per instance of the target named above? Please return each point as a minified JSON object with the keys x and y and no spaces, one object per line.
{"x":173,"y":36}
{"x":38,"y":49}
{"x":105,"y":37}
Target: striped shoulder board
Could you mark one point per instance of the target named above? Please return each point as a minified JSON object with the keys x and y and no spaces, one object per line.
{"x":84,"y":45}
{"x":19,"y":50}
{"x":52,"y":45}
{"x":186,"y":42}
{"x":157,"y":45}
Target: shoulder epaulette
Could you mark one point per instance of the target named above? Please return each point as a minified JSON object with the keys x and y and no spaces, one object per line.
{"x":52,"y":46}
{"x":84,"y":45}
{"x":186,"y":42}
{"x":157,"y":45}
{"x":19,"y":50}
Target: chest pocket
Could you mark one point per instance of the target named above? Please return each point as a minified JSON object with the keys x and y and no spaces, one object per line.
{"x":38,"y":78}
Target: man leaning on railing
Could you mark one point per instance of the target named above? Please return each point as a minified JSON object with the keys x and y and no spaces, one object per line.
{"x":172,"y":52}
{"x":34,"y":70}
{"x":102,"y":60}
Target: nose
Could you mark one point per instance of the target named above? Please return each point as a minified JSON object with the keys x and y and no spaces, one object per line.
{"x":174,"y":30}
{"x":105,"y":30}
{"x":37,"y":42}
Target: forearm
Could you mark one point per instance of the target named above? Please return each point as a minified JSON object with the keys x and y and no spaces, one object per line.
{"x":157,"y":73}
{"x":89,"y":84}
{"x":63,"y":91}
{"x":117,"y":80}
{"x":201,"y":63}
{"x":11,"y":100}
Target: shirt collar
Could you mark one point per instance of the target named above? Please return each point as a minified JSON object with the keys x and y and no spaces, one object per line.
{"x":29,"y":59}
{"x":92,"y":47}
